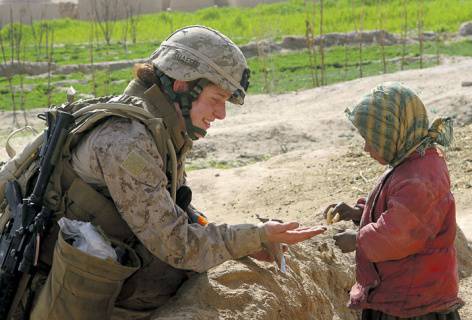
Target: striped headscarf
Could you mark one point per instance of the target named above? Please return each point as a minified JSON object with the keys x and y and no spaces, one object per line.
{"x":393,"y":120}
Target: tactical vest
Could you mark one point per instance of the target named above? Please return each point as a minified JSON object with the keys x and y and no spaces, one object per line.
{"x":68,"y":195}
{"x":66,"y":191}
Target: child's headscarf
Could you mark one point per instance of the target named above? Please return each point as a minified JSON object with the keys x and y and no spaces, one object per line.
{"x":393,"y":120}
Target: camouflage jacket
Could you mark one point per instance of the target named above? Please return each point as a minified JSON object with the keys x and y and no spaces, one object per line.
{"x":120,"y":159}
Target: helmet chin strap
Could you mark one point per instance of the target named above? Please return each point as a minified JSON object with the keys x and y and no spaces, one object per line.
{"x":184,"y":100}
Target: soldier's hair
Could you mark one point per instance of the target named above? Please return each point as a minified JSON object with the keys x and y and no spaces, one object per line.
{"x":145,"y":73}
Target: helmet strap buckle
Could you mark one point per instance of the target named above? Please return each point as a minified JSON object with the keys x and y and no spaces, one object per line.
{"x":184,"y":99}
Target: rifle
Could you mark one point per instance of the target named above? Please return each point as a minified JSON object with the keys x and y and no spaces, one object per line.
{"x":29,"y":218}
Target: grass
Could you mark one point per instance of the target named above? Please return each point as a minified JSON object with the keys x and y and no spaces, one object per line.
{"x":291,"y":71}
{"x":268,"y":20}
{"x":36,"y":91}
{"x":80,"y":53}
{"x":286,"y":72}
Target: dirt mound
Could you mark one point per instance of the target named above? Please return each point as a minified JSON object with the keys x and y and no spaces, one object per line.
{"x":315,"y":287}
{"x":464,"y":254}
{"x":466,"y":291}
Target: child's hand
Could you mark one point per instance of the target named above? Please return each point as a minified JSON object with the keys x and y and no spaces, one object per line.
{"x":345,"y":211}
{"x":346,"y":240}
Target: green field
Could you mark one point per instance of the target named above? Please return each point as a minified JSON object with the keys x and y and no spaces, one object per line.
{"x":276,"y":20}
{"x":276,"y":73}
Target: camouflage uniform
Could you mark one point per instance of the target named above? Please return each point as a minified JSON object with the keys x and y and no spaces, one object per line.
{"x":116,"y":174}
{"x":120,"y":158}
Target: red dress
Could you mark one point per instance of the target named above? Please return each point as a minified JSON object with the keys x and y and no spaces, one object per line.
{"x":406,"y":260}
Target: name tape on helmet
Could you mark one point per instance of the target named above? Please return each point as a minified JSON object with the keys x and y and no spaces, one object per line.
{"x":186,"y":60}
{"x":204,"y":58}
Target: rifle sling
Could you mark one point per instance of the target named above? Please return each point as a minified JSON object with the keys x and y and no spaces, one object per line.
{"x":22,"y":286}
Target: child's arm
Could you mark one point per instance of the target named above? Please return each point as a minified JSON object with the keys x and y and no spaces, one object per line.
{"x":415,"y":213}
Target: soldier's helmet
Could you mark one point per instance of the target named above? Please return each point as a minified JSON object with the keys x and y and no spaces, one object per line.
{"x":198,"y":52}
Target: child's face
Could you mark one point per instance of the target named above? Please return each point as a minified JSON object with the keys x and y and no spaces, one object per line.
{"x":373,"y":153}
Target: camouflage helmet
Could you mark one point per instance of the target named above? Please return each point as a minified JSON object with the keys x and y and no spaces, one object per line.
{"x":198,"y":52}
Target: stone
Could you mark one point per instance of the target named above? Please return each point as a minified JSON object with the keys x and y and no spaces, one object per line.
{"x":466,"y":29}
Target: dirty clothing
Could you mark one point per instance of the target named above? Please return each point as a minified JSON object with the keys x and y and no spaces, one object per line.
{"x":406,"y":260}
{"x":378,"y":315}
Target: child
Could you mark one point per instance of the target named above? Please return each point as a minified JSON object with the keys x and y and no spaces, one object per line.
{"x":405,"y":257}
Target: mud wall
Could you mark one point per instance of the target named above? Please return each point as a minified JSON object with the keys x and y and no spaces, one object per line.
{"x":24,"y":11}
{"x":119,"y":8}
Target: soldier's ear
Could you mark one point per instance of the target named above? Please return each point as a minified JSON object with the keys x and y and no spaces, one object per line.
{"x":180,"y":86}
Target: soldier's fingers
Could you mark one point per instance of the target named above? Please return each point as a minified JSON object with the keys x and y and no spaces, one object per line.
{"x":277,"y":231}
{"x":276,"y":227}
{"x":294,"y":236}
{"x":302,"y":228}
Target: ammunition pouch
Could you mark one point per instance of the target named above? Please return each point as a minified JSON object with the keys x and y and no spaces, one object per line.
{"x":81,"y":286}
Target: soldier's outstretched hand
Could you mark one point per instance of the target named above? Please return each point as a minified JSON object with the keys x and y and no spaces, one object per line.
{"x":290,"y":232}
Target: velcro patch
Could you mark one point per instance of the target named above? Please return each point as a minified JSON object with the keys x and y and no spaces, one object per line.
{"x":135,"y":163}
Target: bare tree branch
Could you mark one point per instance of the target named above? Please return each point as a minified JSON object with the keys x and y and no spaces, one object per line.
{"x":106,"y":15}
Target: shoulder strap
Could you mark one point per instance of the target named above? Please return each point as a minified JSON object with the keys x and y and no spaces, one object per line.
{"x":87,"y":118}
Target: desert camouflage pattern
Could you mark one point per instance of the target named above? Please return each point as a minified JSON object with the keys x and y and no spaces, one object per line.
{"x":200,"y":52}
{"x":121,"y":159}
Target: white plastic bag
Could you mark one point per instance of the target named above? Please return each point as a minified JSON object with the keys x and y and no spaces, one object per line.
{"x":86,"y":238}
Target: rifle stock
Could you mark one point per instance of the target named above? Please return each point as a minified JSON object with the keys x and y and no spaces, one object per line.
{"x":29,"y":217}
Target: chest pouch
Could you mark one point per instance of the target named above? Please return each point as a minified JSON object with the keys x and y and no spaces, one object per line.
{"x":81,"y":286}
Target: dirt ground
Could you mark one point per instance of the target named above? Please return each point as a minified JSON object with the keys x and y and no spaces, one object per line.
{"x":316,"y":156}
{"x":287,"y":157}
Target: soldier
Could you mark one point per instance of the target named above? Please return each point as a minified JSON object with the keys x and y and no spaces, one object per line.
{"x":125,"y":175}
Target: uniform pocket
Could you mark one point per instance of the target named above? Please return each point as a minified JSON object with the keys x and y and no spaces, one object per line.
{"x":81,"y":286}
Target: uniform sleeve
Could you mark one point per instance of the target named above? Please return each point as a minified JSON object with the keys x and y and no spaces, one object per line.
{"x":132,"y":170}
{"x":412,"y":218}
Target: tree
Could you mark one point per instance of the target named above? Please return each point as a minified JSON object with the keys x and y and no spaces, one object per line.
{"x":106,"y":14}
{"x":420,"y":24}
{"x":323,"y":80}
{"x":310,"y":42}
{"x":381,"y":35}
{"x":405,"y":32}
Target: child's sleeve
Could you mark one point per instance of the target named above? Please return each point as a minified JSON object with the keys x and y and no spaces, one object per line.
{"x":361,"y":205}
{"x":414,"y":215}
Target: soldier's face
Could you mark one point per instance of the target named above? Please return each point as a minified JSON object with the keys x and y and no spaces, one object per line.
{"x":210,"y":105}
